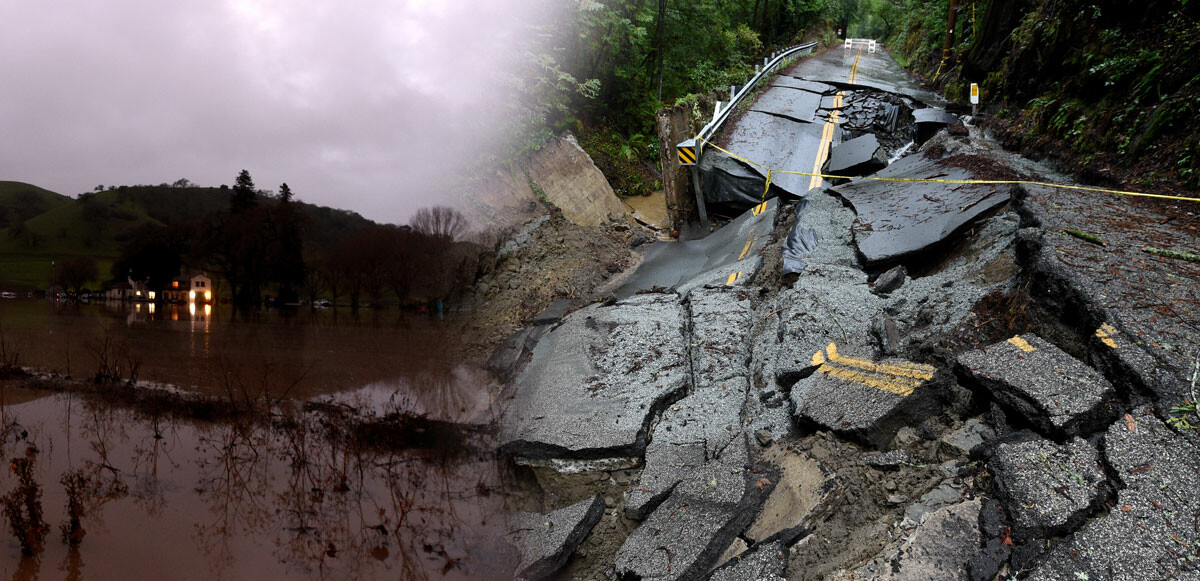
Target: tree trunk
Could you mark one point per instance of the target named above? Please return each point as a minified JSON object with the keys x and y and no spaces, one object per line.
{"x":658,"y":75}
{"x":950,"y":31}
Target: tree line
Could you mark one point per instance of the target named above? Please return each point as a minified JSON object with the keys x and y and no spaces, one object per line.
{"x":622,"y":60}
{"x":257,"y":248}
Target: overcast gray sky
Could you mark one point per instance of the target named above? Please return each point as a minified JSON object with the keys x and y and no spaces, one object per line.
{"x":366,"y":105}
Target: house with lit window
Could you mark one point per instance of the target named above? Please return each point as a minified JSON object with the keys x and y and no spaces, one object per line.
{"x":195,"y":288}
{"x":131,"y":290}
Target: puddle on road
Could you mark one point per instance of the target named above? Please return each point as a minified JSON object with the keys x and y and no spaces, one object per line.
{"x":289,"y":498}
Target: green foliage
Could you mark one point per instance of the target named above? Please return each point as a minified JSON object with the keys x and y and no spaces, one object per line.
{"x":623,"y":160}
{"x":607,"y":65}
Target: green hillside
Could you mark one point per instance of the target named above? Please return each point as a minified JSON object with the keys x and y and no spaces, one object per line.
{"x":20,"y":201}
{"x":96,"y":224}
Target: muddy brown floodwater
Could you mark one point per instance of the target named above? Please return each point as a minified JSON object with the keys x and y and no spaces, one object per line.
{"x":282,"y":493}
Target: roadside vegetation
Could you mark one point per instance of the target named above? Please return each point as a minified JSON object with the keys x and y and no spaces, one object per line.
{"x":1110,"y":89}
{"x":615,"y":63}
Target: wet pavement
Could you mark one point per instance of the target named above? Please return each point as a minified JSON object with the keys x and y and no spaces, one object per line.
{"x":973,"y":414}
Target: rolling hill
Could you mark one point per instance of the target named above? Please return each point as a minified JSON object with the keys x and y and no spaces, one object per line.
{"x":95,"y":224}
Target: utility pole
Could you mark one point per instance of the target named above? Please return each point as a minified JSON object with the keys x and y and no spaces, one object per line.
{"x":950,"y":32}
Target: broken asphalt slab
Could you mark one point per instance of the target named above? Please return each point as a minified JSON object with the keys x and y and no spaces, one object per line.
{"x":546,"y":541}
{"x":596,"y":381}
{"x":857,"y":157}
{"x":766,"y":562}
{"x":731,"y":250}
{"x":931,"y":120}
{"x":1058,"y":394}
{"x":1150,"y":532}
{"x":864,"y":400}
{"x":794,"y":104}
{"x":902,"y":218}
{"x":1143,"y":310}
{"x":720,"y":319}
{"x":695,"y":431}
{"x":1048,"y":489}
{"x":685,"y":535}
{"x":773,"y":142}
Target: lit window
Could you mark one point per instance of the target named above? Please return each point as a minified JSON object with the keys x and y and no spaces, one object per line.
{"x":151,"y":295}
{"x":208,"y":295}
{"x":192,"y":295}
{"x":174,"y":284}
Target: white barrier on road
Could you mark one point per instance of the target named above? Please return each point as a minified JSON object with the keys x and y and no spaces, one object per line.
{"x":867,"y":43}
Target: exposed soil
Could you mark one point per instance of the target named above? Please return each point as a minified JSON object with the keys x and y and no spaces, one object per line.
{"x":557,"y":259}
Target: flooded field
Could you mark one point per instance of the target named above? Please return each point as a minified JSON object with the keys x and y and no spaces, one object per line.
{"x":207,"y":349}
{"x":312,"y":465}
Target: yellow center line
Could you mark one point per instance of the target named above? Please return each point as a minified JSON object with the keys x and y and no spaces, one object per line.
{"x":749,"y":245}
{"x":733,"y":278}
{"x":1105,"y":334}
{"x":1022,"y":344}
{"x":830,"y":126}
{"x":899,"y":377}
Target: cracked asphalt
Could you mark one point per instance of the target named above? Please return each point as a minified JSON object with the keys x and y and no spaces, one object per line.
{"x":1017,"y":406}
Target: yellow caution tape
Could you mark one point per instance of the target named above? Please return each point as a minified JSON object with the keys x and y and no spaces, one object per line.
{"x":816,"y":174}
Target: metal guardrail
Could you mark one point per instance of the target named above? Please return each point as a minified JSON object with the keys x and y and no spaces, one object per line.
{"x":689,"y":151}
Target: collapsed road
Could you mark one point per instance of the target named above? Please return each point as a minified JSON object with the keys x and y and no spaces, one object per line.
{"x":872,"y":379}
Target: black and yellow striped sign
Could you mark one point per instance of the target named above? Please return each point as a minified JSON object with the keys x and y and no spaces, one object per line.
{"x":687,"y":155}
{"x":688,"y":152}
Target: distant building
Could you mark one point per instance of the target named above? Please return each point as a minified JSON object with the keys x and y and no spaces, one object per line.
{"x":130,"y":290}
{"x":195,"y":288}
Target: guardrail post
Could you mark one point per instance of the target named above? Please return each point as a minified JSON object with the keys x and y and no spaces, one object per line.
{"x":732,"y":92}
{"x":703,"y":211}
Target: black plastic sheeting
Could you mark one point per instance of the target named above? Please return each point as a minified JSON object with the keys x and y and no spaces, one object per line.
{"x":728,"y":180}
{"x":801,"y":241}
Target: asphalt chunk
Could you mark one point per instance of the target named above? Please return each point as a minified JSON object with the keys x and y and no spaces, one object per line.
{"x":695,"y":431}
{"x":898,"y":219}
{"x":1049,"y":489}
{"x":864,"y":400}
{"x":685,"y":536}
{"x":1058,"y":394}
{"x":597,"y":380}
{"x":1150,"y":531}
{"x":546,"y":541}
{"x":767,"y":562}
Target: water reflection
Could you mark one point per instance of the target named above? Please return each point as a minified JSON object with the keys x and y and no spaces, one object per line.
{"x":201,"y":347}
{"x":291,"y":497}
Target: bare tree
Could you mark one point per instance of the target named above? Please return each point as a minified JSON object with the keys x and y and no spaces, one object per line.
{"x":441,"y":223}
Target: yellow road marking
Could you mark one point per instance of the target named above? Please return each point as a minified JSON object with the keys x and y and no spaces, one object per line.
{"x":733,"y":278}
{"x":900,"y":378}
{"x":880,"y":382}
{"x":830,"y":126}
{"x":760,"y":208}
{"x":1105,"y":334}
{"x":1022,"y":344}
{"x":749,"y":245}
